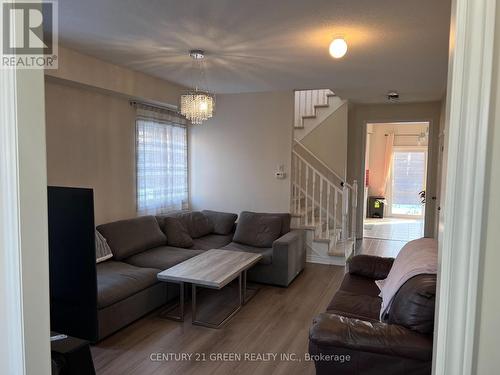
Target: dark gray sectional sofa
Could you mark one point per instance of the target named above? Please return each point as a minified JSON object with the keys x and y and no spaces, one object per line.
{"x":143,"y":246}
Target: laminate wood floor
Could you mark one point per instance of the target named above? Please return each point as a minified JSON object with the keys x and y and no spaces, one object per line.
{"x":382,"y":248}
{"x":276,"y":320}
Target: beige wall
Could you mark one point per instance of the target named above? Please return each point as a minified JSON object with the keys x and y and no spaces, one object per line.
{"x":91,"y":129}
{"x":87,"y":70}
{"x":91,"y":143}
{"x":362,"y":114}
{"x":235,"y":154}
{"x":487,"y":335}
{"x":376,"y":150}
{"x":328,"y":141}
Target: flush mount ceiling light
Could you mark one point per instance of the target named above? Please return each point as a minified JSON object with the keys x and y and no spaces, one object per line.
{"x":393,"y":96}
{"x":198,"y":105}
{"x":338,"y":48}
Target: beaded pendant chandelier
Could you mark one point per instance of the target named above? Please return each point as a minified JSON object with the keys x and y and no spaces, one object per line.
{"x":198,"y":105}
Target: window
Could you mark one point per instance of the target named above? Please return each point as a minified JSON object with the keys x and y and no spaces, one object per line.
{"x":408,"y":180}
{"x":161,"y":168}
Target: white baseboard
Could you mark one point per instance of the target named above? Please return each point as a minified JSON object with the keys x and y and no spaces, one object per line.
{"x":335,"y":261}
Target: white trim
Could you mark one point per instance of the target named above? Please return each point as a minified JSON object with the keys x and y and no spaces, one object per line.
{"x":24,"y":280}
{"x":467,"y":116}
{"x":329,"y":260}
{"x":11,"y":316}
{"x":12,"y":347}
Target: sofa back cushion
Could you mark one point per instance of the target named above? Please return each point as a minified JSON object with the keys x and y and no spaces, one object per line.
{"x":132,"y":236}
{"x":285,"y":218}
{"x":222,"y":222}
{"x":197,"y":224}
{"x":177,"y":233}
{"x":414,"y":304}
{"x":257,"y":229}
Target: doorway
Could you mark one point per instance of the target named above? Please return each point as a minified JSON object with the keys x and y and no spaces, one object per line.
{"x":395,"y":181}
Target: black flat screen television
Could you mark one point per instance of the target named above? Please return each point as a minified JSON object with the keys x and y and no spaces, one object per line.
{"x":73,"y":282}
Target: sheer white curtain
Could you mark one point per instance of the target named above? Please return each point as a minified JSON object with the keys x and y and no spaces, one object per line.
{"x":162,"y":171}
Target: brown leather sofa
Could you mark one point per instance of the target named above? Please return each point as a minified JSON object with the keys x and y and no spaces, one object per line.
{"x":349,"y":337}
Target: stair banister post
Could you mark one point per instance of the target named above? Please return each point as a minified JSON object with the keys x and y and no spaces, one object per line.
{"x":300,"y":186}
{"x":329,"y":188}
{"x":335,"y":211}
{"x":354,"y":202}
{"x":313,"y":203}
{"x":294,"y":180}
{"x":345,"y":195}
{"x":321,"y":202}
{"x":307,"y":194}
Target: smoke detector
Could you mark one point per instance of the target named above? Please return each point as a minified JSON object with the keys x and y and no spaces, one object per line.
{"x":393,"y":96}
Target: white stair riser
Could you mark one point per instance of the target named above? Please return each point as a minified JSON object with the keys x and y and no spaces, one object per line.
{"x":322,"y":113}
{"x":327,"y":252}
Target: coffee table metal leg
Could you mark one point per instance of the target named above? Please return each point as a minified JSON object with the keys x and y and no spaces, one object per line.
{"x":166,"y":313}
{"x":246,"y":296}
{"x":229,"y":316}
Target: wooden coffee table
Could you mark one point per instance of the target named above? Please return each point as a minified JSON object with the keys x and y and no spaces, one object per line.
{"x":212,"y":269}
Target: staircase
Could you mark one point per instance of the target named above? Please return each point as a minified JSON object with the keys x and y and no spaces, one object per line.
{"x":322,"y":202}
{"x":312,"y":107}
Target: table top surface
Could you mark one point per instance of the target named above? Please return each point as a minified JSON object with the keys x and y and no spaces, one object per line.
{"x":67,"y":345}
{"x":213,"y":268}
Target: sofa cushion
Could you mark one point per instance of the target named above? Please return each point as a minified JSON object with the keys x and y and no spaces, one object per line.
{"x":129,"y":237}
{"x":222,"y":222}
{"x":117,"y":281}
{"x":359,"y":285}
{"x":285,"y":218}
{"x":162,"y":257}
{"x":267,"y":253}
{"x":413,"y":305}
{"x":197,"y":224}
{"x":258,"y":230}
{"x":355,"y":305}
{"x":177,"y":233}
{"x":211,"y":241}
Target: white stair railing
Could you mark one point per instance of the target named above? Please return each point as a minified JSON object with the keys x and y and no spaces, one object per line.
{"x":315,"y":199}
{"x":306,"y":102}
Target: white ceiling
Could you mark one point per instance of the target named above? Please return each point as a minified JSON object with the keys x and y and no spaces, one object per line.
{"x":264,"y":45}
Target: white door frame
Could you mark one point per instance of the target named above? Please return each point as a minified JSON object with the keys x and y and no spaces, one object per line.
{"x":24,"y":273}
{"x":432,"y":126}
{"x":467,"y":123}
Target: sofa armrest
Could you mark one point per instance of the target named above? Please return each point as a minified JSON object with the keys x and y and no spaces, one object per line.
{"x":289,"y":244}
{"x":370,"y":266}
{"x":331,"y":330}
{"x":289,"y":255}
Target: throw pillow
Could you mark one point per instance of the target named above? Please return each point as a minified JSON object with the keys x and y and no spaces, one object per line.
{"x":197,"y":224}
{"x":222,"y":222}
{"x":132,"y":236}
{"x":259,"y":230}
{"x":102,"y":249}
{"x":177,"y":233}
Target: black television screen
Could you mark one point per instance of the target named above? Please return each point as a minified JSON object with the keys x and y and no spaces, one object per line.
{"x":73,"y":283}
